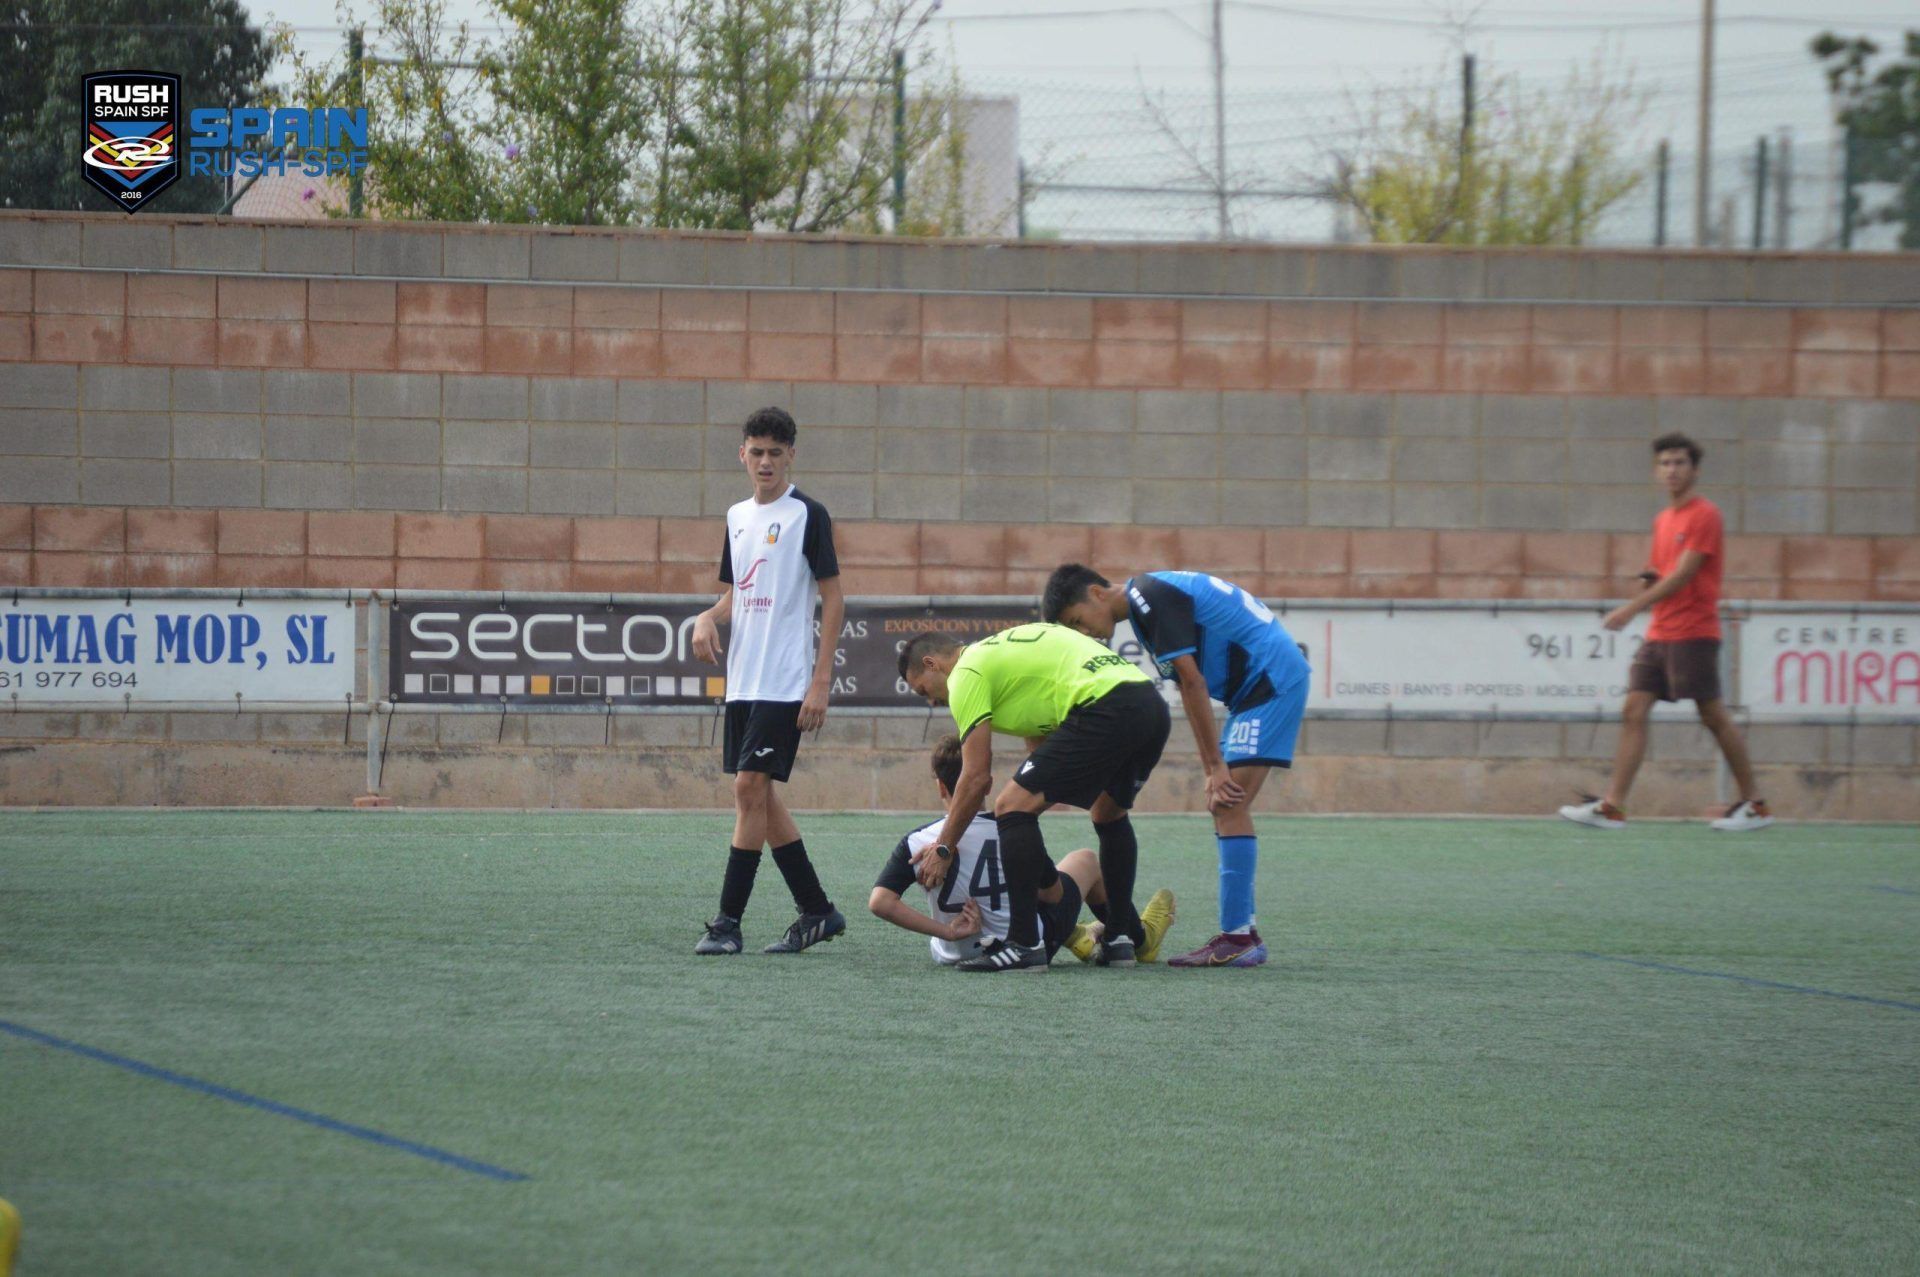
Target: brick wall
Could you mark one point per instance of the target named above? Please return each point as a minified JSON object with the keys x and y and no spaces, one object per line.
{"x":109,"y":546}
{"x":193,"y":364}
{"x":185,"y":401}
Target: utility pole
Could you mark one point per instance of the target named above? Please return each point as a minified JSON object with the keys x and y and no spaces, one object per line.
{"x":1703,"y":147}
{"x":1760,"y":192}
{"x":1220,"y":118}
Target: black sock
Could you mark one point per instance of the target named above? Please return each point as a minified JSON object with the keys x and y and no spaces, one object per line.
{"x":802,"y":881}
{"x":1022,"y":853}
{"x":1099,"y":911}
{"x":1119,"y":860}
{"x":738,"y":884}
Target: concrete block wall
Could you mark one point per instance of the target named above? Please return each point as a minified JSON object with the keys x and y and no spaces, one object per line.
{"x":192,"y":401}
{"x":864,"y":761}
{"x":106,"y":546}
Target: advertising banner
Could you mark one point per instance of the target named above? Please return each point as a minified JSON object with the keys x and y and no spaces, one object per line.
{"x":1830,"y":663}
{"x":106,"y":651}
{"x":538,"y":655}
{"x":1421,"y":660}
{"x":544,"y":654}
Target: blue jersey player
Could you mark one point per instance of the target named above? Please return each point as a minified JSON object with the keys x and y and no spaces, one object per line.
{"x":1218,"y":643}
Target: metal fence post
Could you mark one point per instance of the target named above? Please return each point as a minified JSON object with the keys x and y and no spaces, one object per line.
{"x":899,"y":141}
{"x":376,"y":622}
{"x":1849,"y":205}
{"x":1660,"y":195}
{"x":357,"y":86}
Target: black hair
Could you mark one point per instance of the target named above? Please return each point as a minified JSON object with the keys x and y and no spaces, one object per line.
{"x":771,"y":423}
{"x":923,"y":644}
{"x":1067,"y":586}
{"x":946,"y":762}
{"x":1668,"y":442}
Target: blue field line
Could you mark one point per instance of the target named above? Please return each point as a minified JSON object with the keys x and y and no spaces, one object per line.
{"x":1898,"y":891}
{"x":268,"y":1106}
{"x":1756,"y":983}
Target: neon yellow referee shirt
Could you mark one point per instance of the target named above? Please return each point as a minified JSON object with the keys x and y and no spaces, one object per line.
{"x":1026,"y":679}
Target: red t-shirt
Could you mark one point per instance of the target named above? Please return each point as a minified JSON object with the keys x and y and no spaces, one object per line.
{"x":1692,"y":611}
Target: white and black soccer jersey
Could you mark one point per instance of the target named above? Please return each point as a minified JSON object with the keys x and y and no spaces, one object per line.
{"x":975,"y":872}
{"x":774,"y":556}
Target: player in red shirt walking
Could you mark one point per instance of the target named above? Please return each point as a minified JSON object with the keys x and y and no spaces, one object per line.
{"x":1680,"y":659}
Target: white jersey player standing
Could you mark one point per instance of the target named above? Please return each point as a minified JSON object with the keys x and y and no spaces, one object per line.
{"x":776,"y":562}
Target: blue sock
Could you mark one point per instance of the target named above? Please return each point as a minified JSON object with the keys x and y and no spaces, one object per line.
{"x":1237,"y":858}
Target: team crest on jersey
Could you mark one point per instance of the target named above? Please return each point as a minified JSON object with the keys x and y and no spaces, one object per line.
{"x":132,"y":124}
{"x":773,"y":533}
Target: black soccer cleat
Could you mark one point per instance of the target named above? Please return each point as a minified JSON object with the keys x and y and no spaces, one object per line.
{"x":723,"y":936}
{"x":998,"y":955}
{"x":1115,"y":952}
{"x":809,"y":929}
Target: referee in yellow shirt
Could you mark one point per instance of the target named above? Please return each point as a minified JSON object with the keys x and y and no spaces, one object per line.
{"x":1097,"y":725}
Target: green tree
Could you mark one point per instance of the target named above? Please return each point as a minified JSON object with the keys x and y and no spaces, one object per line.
{"x":46,"y":46}
{"x":544,"y":126}
{"x":1881,"y":115}
{"x":428,"y":156}
{"x":1536,"y":166}
{"x":939,"y":200}
{"x":568,"y":115}
{"x":739,"y":114}
{"x":785,"y":118}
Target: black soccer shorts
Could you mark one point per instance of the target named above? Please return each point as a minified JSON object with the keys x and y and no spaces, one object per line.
{"x":762,"y":736}
{"x":1106,"y":746}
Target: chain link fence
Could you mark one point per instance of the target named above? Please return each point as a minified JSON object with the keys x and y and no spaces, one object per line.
{"x":1123,"y":161}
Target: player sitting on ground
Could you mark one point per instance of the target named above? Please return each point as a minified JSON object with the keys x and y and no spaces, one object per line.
{"x":1217,"y":642}
{"x":1096,"y":726}
{"x":969,"y":908}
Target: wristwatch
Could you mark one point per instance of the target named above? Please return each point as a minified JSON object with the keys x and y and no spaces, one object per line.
{"x":943,"y":851}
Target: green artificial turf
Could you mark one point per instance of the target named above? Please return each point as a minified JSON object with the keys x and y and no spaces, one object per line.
{"x":1429,"y":1075}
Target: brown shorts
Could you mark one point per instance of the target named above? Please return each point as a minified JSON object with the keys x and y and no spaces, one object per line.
{"x":1682,"y":670}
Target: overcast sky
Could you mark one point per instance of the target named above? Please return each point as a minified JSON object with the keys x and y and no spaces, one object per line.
{"x":1079,"y":67}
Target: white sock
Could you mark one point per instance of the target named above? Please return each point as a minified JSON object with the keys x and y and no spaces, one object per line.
{"x":1242,"y":931}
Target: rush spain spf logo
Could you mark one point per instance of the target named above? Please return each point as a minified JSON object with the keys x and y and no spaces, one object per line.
{"x":133,"y":140}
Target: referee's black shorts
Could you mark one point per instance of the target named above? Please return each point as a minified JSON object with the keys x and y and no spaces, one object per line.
{"x":1106,"y":746}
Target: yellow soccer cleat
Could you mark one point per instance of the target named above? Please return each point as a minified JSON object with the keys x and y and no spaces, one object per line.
{"x":1084,"y":939}
{"x":9,"y":1236}
{"x":1157,"y":917}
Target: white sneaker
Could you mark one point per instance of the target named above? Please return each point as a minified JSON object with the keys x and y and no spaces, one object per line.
{"x":1744,"y":817}
{"x":1597,"y":812}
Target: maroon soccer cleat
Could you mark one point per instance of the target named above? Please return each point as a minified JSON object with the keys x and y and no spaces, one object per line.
{"x":1226,"y":951}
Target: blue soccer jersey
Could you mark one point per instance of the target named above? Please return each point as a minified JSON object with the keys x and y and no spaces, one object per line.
{"x":1244,"y":653}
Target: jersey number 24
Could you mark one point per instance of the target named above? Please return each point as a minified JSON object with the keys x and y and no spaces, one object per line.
{"x":987,"y":883}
